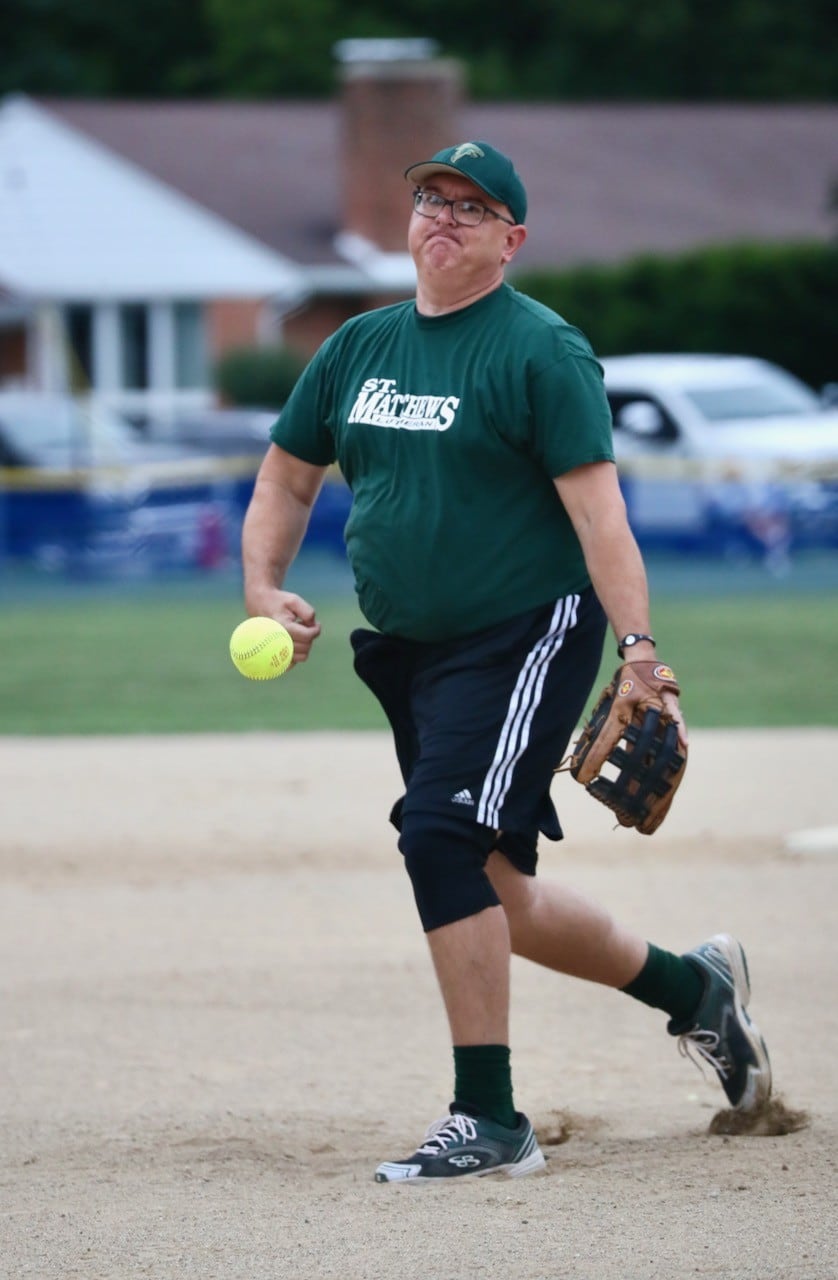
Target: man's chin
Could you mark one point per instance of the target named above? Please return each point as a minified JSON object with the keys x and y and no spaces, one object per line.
{"x":441,"y":251}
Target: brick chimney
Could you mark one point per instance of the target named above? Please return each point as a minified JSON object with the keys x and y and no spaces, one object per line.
{"x":400,"y":104}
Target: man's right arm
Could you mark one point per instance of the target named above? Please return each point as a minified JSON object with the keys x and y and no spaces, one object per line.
{"x":274,"y":527}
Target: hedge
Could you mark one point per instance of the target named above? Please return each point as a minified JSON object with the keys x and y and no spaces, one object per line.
{"x":258,"y":377}
{"x":775,"y":301}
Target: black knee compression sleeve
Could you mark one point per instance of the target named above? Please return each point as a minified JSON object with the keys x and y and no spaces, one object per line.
{"x":446,"y":859}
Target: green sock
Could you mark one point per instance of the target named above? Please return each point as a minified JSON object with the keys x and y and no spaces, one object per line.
{"x":483,"y":1082}
{"x":667,"y":982}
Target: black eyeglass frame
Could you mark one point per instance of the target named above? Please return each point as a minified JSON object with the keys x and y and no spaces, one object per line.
{"x":419,"y":192}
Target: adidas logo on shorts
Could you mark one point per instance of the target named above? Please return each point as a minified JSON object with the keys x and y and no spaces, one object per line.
{"x":463,"y":797}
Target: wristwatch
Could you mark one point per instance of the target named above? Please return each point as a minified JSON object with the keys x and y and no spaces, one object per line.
{"x":633,"y":637}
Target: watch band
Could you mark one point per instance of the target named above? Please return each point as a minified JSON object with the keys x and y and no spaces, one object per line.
{"x":633,"y":637}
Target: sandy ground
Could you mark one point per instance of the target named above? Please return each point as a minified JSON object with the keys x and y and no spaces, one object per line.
{"x":218,"y":1015}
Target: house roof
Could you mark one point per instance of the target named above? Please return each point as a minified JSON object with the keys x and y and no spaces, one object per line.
{"x":605,"y":182}
{"x":80,"y":221}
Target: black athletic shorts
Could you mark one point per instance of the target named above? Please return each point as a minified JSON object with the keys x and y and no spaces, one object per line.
{"x":480,"y":723}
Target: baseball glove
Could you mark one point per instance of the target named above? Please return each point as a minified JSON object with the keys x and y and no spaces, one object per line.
{"x":631,"y":731}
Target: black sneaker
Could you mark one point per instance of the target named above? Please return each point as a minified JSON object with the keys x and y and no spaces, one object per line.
{"x":468,"y":1146}
{"x":720,"y":1031}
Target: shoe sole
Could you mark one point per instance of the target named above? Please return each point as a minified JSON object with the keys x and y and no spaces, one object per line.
{"x":532,"y":1163}
{"x":758,"y":1088}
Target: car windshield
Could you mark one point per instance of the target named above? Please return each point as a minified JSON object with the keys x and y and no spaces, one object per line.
{"x":770,"y":398}
{"x":59,"y":428}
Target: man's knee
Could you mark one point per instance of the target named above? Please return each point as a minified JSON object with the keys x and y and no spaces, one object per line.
{"x":446,"y":861}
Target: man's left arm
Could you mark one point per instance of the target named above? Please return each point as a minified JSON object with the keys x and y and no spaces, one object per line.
{"x":592,"y":498}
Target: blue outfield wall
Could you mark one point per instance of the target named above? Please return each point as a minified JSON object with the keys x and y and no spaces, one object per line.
{"x":189,"y":516}
{"x":148,"y":520}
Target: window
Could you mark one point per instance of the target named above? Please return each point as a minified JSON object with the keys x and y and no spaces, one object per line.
{"x":768,"y":399}
{"x":637,"y":413}
{"x":133,"y":324}
{"x":78,"y":322}
{"x":191,"y":362}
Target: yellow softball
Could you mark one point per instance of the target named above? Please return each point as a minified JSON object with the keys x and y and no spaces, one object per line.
{"x":261,"y":648}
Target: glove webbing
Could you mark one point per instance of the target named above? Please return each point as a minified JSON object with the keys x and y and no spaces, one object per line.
{"x":644,"y":769}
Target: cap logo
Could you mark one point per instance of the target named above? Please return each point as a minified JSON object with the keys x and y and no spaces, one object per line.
{"x":467,"y":149}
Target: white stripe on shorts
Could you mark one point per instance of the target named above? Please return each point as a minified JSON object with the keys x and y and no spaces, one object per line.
{"x":526,"y":696}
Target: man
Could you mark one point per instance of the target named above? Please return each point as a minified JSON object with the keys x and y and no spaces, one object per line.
{"x":490,"y":547}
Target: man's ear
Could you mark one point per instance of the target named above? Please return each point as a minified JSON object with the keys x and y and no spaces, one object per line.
{"x":515,"y":237}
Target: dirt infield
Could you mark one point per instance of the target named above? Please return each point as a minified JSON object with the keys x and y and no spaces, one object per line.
{"x":218,"y":1015}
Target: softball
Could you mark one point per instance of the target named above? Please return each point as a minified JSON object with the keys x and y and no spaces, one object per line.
{"x":261,"y":648}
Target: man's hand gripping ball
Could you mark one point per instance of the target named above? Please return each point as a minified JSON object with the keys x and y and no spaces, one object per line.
{"x":261,"y":649}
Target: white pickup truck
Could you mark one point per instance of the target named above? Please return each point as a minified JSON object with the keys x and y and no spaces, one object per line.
{"x":723,"y":452}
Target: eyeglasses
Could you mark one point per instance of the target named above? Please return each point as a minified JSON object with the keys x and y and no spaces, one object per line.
{"x":466,"y":213}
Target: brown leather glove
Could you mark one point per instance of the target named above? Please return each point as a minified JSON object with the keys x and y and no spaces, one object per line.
{"x":631,"y":732}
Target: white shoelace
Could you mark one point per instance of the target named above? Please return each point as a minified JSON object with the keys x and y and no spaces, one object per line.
{"x":701,"y":1046}
{"x":456,"y":1128}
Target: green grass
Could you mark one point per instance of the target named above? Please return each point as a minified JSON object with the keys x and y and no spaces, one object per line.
{"x":158,"y":663}
{"x":163,"y":666}
{"x":751,"y":661}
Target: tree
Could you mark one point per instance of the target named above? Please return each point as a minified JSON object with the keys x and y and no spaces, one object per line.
{"x":274,"y":47}
{"x":137,"y":48}
{"x":653,"y":50}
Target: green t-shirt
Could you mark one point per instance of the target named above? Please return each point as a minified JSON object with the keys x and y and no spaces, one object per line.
{"x":449,"y":431}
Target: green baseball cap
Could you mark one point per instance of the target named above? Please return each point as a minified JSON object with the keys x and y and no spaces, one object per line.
{"x":482,"y":164}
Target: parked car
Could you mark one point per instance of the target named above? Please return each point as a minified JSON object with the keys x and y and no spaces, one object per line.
{"x":724,"y":452}
{"x":80,"y":487}
{"x":225,"y":433}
